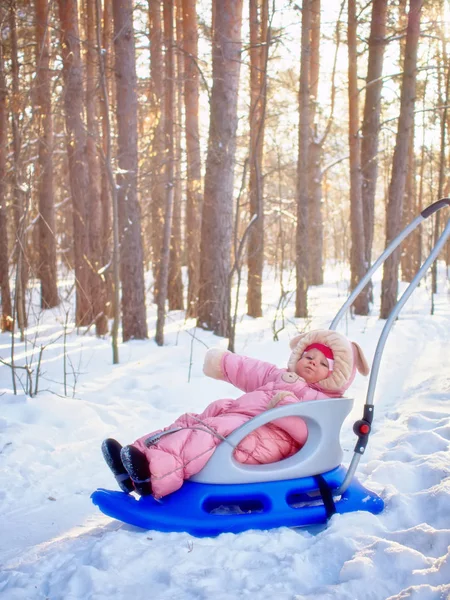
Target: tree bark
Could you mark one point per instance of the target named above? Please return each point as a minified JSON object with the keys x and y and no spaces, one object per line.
{"x":20,"y":202}
{"x":301,"y":245}
{"x":134,"y":320}
{"x":94,"y":207}
{"x":371,"y":130}
{"x":357,"y":259}
{"x":444,"y":92}
{"x":47,"y":233}
{"x":15,"y":109}
{"x":409,"y":260}
{"x":104,"y":22}
{"x":315,"y":225}
{"x":175,"y":294}
{"x":258,"y":53}
{"x":389,"y":287}
{"x":6,"y":312}
{"x":157,"y":145}
{"x":163,"y":277}
{"x":114,"y":279}
{"x":215,"y":260}
{"x":193,"y":161}
{"x":76,"y":150}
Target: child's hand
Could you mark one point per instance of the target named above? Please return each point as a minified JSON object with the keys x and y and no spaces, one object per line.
{"x":212,"y":365}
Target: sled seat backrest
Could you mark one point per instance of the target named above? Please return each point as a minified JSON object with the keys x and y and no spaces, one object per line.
{"x":321,"y":452}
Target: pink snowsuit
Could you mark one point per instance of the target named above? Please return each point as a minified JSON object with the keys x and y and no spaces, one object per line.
{"x":179,"y":455}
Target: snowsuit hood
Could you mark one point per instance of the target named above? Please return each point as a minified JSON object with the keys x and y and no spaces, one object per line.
{"x":348,"y":358}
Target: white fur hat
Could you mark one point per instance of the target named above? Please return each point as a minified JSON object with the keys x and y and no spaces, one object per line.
{"x":347,"y":355}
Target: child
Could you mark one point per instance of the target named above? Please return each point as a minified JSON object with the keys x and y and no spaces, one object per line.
{"x":323,"y":364}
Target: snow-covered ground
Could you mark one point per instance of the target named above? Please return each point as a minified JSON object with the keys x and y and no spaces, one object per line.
{"x":55,"y":544}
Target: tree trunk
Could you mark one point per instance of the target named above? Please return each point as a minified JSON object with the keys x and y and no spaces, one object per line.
{"x":444,"y":91}
{"x":15,"y":109}
{"x":163,"y":278}
{"x":94,"y":206}
{"x":357,"y":258}
{"x":114,"y":278}
{"x":315,"y":225}
{"x":314,"y":65}
{"x":134,"y":320}
{"x":157,"y":145}
{"x":409,"y":260}
{"x":317,"y":178}
{"x":389,"y":286}
{"x":47,"y":233}
{"x":446,"y":250}
{"x":105,"y":24}
{"x":302,"y":249}
{"x":163,"y":275}
{"x":215,"y":259}
{"x":76,"y":150}
{"x":20,"y":203}
{"x":258,"y":53}
{"x":193,"y":162}
{"x":6,"y":312}
{"x":371,"y":130}
{"x":175,"y":294}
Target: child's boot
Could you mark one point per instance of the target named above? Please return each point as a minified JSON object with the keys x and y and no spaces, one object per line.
{"x":136,"y":464}
{"x":111,"y":453}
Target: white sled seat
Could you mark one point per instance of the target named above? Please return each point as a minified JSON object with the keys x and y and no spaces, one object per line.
{"x":322,"y":451}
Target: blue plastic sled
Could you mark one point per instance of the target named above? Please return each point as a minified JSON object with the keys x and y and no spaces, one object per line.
{"x":198,"y":508}
{"x":227,"y":496}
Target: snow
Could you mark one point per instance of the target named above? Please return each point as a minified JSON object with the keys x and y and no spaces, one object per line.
{"x":55,"y":544}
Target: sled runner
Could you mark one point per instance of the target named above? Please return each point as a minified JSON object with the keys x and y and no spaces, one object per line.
{"x":302,"y":490}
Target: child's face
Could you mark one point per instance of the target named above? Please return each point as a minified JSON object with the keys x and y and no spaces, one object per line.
{"x":313,"y":366}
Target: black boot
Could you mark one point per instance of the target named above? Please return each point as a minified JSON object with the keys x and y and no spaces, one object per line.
{"x":136,"y":464}
{"x":111,"y":453}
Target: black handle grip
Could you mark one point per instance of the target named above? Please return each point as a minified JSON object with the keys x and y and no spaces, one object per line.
{"x":429,"y":210}
{"x":362,"y":429}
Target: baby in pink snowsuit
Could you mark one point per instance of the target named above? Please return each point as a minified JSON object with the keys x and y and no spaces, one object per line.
{"x":323,"y":364}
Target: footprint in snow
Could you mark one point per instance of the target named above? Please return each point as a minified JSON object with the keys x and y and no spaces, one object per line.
{"x":423,"y":538}
{"x":423,"y":443}
{"x":413,"y":477}
{"x":427,"y":420}
{"x":393,"y":416}
{"x":444,"y":432}
{"x":429,"y":507}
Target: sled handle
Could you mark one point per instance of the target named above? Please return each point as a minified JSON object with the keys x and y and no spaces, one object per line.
{"x":429,"y":210}
{"x":385,"y":332}
{"x":398,"y":307}
{"x":322,"y":450}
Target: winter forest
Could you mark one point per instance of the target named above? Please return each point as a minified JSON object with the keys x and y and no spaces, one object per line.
{"x":168,"y":152}
{"x":181,"y":175}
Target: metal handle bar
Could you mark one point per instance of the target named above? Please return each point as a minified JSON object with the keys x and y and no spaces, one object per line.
{"x":429,"y":210}
{"x":384,"y":255}
{"x":395,"y":311}
{"x":401,"y":302}
{"x":398,"y":307}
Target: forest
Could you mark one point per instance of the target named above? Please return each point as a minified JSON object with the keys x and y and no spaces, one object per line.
{"x":173,"y":151}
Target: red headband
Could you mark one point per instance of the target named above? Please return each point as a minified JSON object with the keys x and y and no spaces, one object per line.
{"x":326,"y":351}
